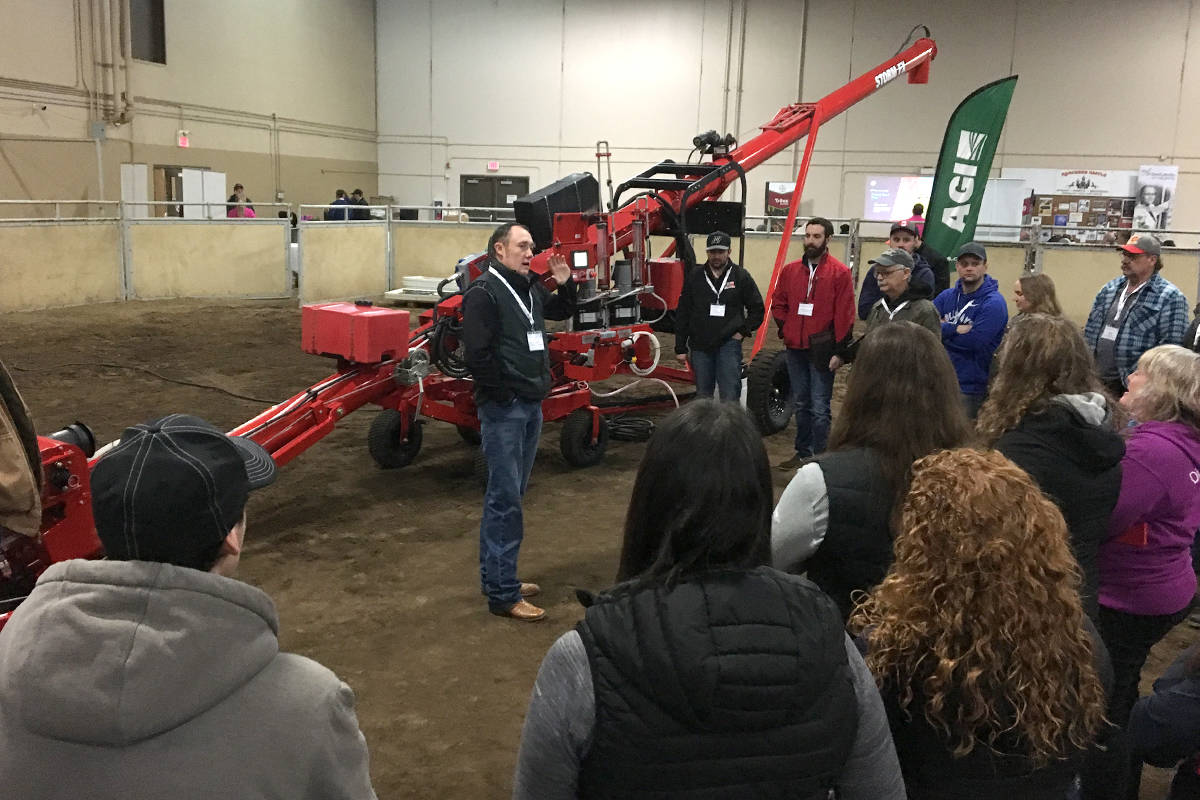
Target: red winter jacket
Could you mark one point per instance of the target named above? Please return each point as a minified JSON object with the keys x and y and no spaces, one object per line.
{"x":832,"y":297}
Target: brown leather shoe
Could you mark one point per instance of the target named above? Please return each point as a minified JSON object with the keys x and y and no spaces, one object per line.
{"x":523,"y":611}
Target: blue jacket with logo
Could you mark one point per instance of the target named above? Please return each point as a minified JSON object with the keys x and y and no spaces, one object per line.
{"x":986,"y":311}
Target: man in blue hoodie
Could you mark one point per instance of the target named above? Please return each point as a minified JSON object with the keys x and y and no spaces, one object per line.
{"x":974,"y":315}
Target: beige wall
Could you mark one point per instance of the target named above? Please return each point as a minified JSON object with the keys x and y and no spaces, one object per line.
{"x":59,"y":264}
{"x":343,"y":261}
{"x":433,"y":250}
{"x":243,"y":258}
{"x":278,"y":95}
{"x":439,"y":120}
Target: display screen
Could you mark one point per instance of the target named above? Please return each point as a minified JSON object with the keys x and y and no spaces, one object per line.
{"x":891,"y":197}
{"x":579,"y":259}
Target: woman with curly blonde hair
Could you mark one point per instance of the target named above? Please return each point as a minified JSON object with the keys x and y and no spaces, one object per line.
{"x":987,"y":664}
{"x":1047,"y":411}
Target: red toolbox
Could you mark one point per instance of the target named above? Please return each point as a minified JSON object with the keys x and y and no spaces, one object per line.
{"x":363,"y":334}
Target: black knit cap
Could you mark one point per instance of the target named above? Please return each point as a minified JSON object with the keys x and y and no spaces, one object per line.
{"x":173,"y":488}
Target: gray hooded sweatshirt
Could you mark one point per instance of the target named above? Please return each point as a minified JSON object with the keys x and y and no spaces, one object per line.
{"x":123,"y":679}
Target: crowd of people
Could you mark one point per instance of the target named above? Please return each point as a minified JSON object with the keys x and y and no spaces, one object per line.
{"x":954,"y":596}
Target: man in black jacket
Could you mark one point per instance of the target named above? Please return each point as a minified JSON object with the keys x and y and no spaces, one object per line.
{"x":504,"y":337}
{"x":937,"y":262}
{"x":719,"y":307}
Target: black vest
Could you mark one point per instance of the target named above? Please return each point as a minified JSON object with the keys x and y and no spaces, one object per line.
{"x":730,"y":684}
{"x":857,"y":549}
{"x":525,"y":372}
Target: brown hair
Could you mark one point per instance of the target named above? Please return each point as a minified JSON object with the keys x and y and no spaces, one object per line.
{"x":902,"y":401}
{"x":1041,"y":356}
{"x":1039,"y":291}
{"x":1172,"y":389}
{"x":979,"y":617}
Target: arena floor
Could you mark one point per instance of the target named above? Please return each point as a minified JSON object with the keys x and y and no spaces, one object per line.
{"x":374,"y":573}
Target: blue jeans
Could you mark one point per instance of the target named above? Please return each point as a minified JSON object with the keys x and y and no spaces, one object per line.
{"x":719,"y":369}
{"x":812,"y":388}
{"x":509,"y":437}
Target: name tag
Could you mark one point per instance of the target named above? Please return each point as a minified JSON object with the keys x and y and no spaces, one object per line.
{"x":1109,"y":334}
{"x":536,"y":341}
{"x":716,"y":310}
{"x":805,"y":309}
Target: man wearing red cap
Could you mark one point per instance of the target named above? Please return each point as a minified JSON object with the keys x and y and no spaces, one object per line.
{"x":1134,"y":312}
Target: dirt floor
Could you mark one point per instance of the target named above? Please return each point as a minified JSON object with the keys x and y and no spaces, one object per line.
{"x":375,"y":573}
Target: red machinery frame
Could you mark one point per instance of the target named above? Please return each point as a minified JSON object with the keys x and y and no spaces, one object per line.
{"x":403,"y":380}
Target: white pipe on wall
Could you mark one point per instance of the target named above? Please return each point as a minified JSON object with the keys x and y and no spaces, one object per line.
{"x":125,"y":47}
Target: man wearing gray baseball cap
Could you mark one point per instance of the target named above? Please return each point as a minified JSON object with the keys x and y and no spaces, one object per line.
{"x":1134,"y":312}
{"x":156,"y":674}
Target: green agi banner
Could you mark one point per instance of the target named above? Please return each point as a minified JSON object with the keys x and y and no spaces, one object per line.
{"x":964,"y":165}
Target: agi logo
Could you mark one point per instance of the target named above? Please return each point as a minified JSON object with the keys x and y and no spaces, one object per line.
{"x":962,"y":182}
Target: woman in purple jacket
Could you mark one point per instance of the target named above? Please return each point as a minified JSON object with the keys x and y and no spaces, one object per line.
{"x":1146,"y":577}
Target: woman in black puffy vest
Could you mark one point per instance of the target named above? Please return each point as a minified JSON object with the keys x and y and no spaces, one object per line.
{"x":704,"y":673}
{"x":834,"y":520}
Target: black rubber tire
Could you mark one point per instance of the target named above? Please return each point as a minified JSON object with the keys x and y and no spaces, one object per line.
{"x":769,"y":392}
{"x":385,"y":444}
{"x":469,"y":435}
{"x":479,"y":468}
{"x":575,"y":439}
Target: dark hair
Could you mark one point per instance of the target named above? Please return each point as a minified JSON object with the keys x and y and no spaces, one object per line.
{"x":824,"y":223}
{"x":340,"y":193}
{"x":702,"y":498}
{"x":501,"y":235}
{"x":845,"y":228}
{"x":357,"y":191}
{"x":918,"y":208}
{"x":1158,"y":263}
{"x":902,"y":401}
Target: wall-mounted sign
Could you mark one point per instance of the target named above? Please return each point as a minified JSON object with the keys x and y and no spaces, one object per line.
{"x":493,"y":166}
{"x":181,"y":139}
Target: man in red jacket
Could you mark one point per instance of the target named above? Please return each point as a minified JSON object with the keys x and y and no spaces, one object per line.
{"x":813,"y":306}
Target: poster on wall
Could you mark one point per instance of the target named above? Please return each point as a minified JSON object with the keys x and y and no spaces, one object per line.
{"x":1092,"y":182}
{"x":1155,"y":196}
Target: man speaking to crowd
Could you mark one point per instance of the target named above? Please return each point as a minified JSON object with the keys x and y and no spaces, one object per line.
{"x":504,"y":313}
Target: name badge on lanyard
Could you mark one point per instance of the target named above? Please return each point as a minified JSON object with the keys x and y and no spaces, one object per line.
{"x":717,"y":309}
{"x":1109,"y":334}
{"x":534,"y":337}
{"x":805,"y":309}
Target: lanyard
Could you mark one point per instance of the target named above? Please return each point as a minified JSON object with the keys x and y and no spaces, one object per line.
{"x":812,"y":281}
{"x":889,"y":311}
{"x":528,"y":312}
{"x":1124,"y":296}
{"x":716,"y":291}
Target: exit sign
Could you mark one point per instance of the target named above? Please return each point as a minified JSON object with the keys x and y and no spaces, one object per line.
{"x":493,"y":166}
{"x":181,"y":139}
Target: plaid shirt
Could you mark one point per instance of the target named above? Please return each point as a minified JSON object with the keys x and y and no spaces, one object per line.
{"x":1158,"y":316}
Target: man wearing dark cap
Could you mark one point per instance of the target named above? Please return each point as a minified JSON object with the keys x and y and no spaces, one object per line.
{"x":1134,"y":312}
{"x":974,"y":315}
{"x":719,"y":306}
{"x":904,"y":237}
{"x":154,"y":673}
{"x":901,"y":301}
{"x":357,"y":199}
